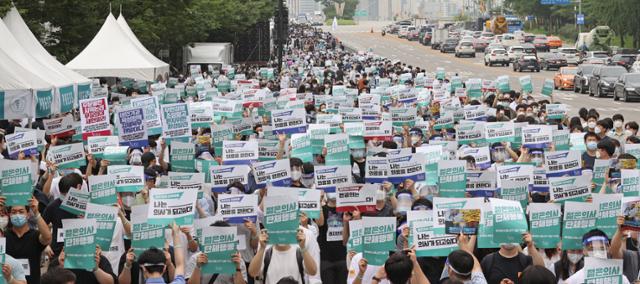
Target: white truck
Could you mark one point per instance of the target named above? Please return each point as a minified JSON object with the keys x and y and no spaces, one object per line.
{"x":439,"y":36}
{"x":217,"y":54}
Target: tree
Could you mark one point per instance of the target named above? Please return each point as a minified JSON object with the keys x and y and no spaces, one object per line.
{"x":330,"y":9}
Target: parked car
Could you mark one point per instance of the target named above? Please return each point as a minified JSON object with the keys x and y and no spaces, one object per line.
{"x":603,"y":79}
{"x":528,"y":38}
{"x":496,"y":56}
{"x":404,"y":31}
{"x":426,"y":39}
{"x":465,"y":48}
{"x":413,"y":34}
{"x":526,"y":62}
{"x":570,"y":54}
{"x":596,"y":54}
{"x":563,"y":79}
{"x":494,"y":45}
{"x":554,"y":42}
{"x":480,"y":44}
{"x":627,"y":87}
{"x":553,"y":61}
{"x":581,"y":79}
{"x":449,"y":45}
{"x":514,"y":52}
{"x":541,"y":43}
{"x":624,"y":60}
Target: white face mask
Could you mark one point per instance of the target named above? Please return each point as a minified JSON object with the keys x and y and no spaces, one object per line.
{"x":128,"y":201}
{"x":415,"y":139}
{"x":628,"y":132}
{"x":4,"y":221}
{"x":597,"y":130}
{"x":617,"y":123}
{"x":602,"y":254}
{"x":296,"y":175}
{"x":574,"y":257}
{"x":591,"y":124}
{"x":380,"y":195}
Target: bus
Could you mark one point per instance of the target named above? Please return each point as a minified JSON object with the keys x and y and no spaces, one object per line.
{"x":514,"y":24}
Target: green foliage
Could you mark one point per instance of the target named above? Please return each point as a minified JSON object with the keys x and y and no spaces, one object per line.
{"x":341,"y":22}
{"x":159,"y":24}
{"x":330,"y":10}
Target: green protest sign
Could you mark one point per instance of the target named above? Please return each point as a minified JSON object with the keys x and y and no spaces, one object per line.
{"x":337,"y":150}
{"x":525,"y":84}
{"x":598,"y":270}
{"x":309,"y":202}
{"x":144,"y":235}
{"x":440,"y":74}
{"x":515,"y":190}
{"x":356,"y":232}
{"x":544,"y":224}
{"x":301,"y":147}
{"x":318,"y":132}
{"x":561,"y":139}
{"x":379,"y":238}
{"x":75,"y":201}
{"x":452,"y":178}
{"x":609,"y":207}
{"x":106,"y":217}
{"x":70,"y":156}
{"x":509,"y":221}
{"x":281,"y":219}
{"x":433,"y":154}
{"x":547,"y":88}
{"x":503,"y":83}
{"x":600,"y":168}
{"x":128,"y":178}
{"x":556,"y":111}
{"x":579,"y":218}
{"x":474,"y":88}
{"x":630,"y":181}
{"x":485,"y":230}
{"x":79,"y":243}
{"x":16,"y":184}
{"x":220,"y":244}
{"x":116,"y":155}
{"x":103,"y":189}
{"x":182,"y":157}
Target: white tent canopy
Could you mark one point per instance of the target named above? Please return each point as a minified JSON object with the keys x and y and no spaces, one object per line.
{"x":15,"y":77}
{"x":31,"y":45}
{"x":127,"y":30}
{"x":112,"y":53}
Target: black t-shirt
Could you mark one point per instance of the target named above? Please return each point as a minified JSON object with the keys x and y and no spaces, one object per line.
{"x":588,"y":161}
{"x":54,"y":215}
{"x":386,"y":211}
{"x":432,"y":267}
{"x":496,"y":267}
{"x":334,"y":250}
{"x":84,"y":276}
{"x":26,"y":247}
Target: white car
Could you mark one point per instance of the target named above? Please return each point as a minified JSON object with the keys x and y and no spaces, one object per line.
{"x":465,"y":48}
{"x":514,"y":52}
{"x":404,"y":31}
{"x":496,"y":56}
{"x":509,"y":40}
{"x":570,"y":54}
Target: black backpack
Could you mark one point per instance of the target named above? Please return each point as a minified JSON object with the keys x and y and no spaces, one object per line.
{"x":522,"y":258}
{"x":267,"y":261}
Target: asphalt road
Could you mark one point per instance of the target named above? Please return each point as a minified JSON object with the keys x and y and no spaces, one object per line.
{"x":413,"y":53}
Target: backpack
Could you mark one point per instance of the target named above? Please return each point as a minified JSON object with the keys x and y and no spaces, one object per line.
{"x":267,"y":261}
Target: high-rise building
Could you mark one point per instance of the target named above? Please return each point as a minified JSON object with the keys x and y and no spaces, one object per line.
{"x":389,"y":10}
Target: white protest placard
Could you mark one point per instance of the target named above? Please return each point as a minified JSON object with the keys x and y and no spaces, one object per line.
{"x":452,"y":215}
{"x":289,"y":121}
{"x":537,"y":136}
{"x":201,"y":114}
{"x":277,"y":173}
{"x":151,"y":113}
{"x":94,"y":117}
{"x":480,"y":154}
{"x":309,"y":202}
{"x":563,"y":163}
{"x":24,"y":142}
{"x":236,"y":208}
{"x":67,"y":156}
{"x":481,"y":183}
{"x":515,"y":172}
{"x":182,"y":181}
{"x":576,"y":188}
{"x":475,"y":112}
{"x":60,"y":127}
{"x":222,"y":176}
{"x":350,"y":114}
{"x":239,"y":152}
{"x":96,"y":144}
{"x":132,"y":128}
{"x":356,"y":196}
{"x":376,"y":169}
{"x":176,"y":122}
{"x":378,"y":129}
{"x":404,"y":167}
{"x":75,"y":201}
{"x":329,"y":177}
{"x":499,"y":131}
{"x":128,"y":178}
{"x":168,"y":205}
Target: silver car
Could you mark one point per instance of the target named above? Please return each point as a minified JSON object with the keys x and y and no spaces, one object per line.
{"x":465,"y":48}
{"x":570,"y":54}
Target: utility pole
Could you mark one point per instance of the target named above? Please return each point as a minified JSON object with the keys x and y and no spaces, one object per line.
{"x":281,"y":34}
{"x":579,"y":13}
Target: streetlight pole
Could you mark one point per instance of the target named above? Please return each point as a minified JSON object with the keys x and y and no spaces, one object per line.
{"x":579,"y":13}
{"x":280,"y":27}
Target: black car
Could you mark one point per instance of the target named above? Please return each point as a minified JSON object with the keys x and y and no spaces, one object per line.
{"x":449,"y":45}
{"x":526,"y":62}
{"x":627,"y":87}
{"x":581,"y":80}
{"x":603,"y":79}
{"x":624,"y":60}
{"x":553,"y":60}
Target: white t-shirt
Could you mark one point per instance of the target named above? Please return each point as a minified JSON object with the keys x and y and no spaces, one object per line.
{"x":368,"y":274}
{"x":205,"y":278}
{"x":578,"y":278}
{"x":282,"y":264}
{"x":116,"y":250}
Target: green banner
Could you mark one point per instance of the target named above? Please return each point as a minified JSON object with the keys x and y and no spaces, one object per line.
{"x":452,"y":178}
{"x":609,"y":208}
{"x":525,"y":84}
{"x":79,"y":243}
{"x":509,"y":221}
{"x":515,"y":190}
{"x":144,"y":235}
{"x":220,"y":244}
{"x":547,"y":87}
{"x":44,"y":101}
{"x":182,"y":157}
{"x":544,"y":224}
{"x":301,"y":147}
{"x":103,"y":189}
{"x":485,"y":232}
{"x":281,"y":219}
{"x":356,"y":233}
{"x":599,"y":173}
{"x":116,"y":155}
{"x":16,"y":184}
{"x":106,"y":217}
{"x":337,"y":150}
{"x":579,"y":218}
{"x":379,"y":238}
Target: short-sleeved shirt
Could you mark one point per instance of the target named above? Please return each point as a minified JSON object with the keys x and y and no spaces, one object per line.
{"x":503,"y":267}
{"x":205,"y":278}
{"x":27,"y":250}
{"x":54,"y":214}
{"x":179,"y":279}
